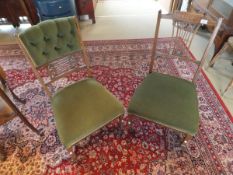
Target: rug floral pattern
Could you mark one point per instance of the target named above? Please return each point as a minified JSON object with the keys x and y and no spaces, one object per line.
{"x":120,"y":66}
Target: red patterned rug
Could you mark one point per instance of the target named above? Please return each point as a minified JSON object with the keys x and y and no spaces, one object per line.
{"x":120,"y":65}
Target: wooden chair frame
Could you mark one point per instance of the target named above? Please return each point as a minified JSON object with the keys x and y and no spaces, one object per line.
{"x":194,"y":19}
{"x":5,"y":86}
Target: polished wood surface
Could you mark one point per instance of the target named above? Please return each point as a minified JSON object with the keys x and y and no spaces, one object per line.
{"x":12,"y":10}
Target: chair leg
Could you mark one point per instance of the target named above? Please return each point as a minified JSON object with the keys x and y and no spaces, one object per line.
{"x":2,"y":153}
{"x":213,"y":60}
{"x":73,"y":156}
{"x":187,"y":137}
{"x":228,"y":86}
{"x":120,"y":129}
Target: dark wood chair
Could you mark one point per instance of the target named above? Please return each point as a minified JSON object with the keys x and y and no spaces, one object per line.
{"x":8,"y":110}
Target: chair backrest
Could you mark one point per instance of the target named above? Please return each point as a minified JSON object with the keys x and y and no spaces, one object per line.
{"x":53,"y":45}
{"x":185,"y":27}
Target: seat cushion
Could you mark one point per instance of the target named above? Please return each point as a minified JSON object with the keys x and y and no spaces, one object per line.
{"x":82,"y":108}
{"x":167,"y":100}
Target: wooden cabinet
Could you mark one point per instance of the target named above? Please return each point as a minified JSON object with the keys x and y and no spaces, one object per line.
{"x":13,"y":9}
{"x":86,"y":7}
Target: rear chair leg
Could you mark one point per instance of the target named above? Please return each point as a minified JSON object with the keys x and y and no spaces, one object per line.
{"x":131,"y":130}
{"x":73,"y":156}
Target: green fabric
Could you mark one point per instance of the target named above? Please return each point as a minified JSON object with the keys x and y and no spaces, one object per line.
{"x":82,"y":108}
{"x":168,"y":101}
{"x":51,"y":39}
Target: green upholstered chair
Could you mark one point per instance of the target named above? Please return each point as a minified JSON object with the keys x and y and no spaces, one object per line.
{"x":163,"y":98}
{"x":80,"y":108}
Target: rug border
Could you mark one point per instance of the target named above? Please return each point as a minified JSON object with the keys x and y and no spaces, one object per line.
{"x":212,"y":87}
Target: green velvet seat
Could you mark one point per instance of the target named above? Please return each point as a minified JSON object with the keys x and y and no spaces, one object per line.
{"x":167,"y":100}
{"x":82,"y":108}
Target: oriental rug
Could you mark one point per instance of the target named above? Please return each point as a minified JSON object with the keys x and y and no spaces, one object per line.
{"x":120,"y":65}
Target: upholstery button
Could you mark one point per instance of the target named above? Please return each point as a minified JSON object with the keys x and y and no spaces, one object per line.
{"x":33,"y":44}
{"x":45,"y":53}
{"x":57,"y":48}
{"x":70,"y":45}
{"x":46,"y":39}
{"x":59,"y":35}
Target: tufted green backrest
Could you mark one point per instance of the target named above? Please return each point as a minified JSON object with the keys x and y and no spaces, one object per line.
{"x":51,"y":39}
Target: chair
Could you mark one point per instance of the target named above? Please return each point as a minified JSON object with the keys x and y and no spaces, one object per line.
{"x":8,"y":110}
{"x":82,"y":107}
{"x":227,"y":45}
{"x":165,"y":99}
{"x":5,"y":86}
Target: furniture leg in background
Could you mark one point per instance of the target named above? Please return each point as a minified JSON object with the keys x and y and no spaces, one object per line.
{"x":86,"y":7}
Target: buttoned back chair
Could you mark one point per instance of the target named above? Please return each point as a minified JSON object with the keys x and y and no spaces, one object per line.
{"x":226,"y":46}
{"x":163,"y":98}
{"x":82,"y":107}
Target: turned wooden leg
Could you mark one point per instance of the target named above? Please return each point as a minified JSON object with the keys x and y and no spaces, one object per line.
{"x":120,"y":130}
{"x":73,"y":156}
{"x":131,"y":130}
{"x":228,"y":86}
{"x":213,"y":60}
{"x":187,"y":138}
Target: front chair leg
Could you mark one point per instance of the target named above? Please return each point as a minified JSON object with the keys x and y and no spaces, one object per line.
{"x":72,"y":154}
{"x":120,"y":129}
{"x":187,"y":137}
{"x":131,"y":130}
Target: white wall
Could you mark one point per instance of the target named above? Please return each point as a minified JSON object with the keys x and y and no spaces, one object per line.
{"x":165,"y":4}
